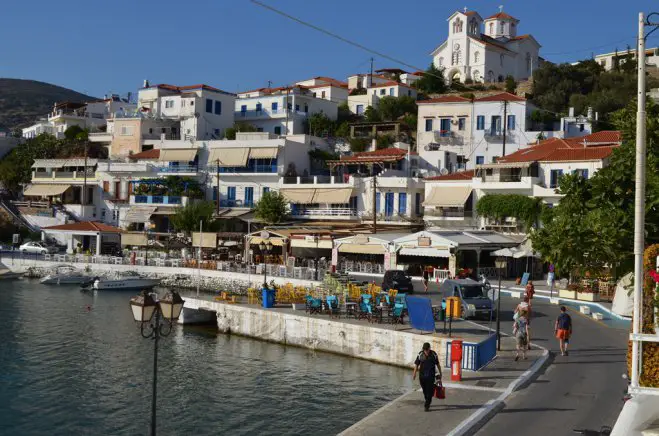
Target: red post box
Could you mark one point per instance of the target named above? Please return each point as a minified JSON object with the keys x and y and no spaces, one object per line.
{"x":456,"y":360}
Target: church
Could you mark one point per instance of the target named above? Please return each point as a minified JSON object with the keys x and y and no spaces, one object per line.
{"x":486,"y":50}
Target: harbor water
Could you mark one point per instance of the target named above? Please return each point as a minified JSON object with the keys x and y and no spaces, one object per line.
{"x":74,"y":363}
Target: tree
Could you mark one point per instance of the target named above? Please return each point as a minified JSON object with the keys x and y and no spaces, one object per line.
{"x":75,"y":132}
{"x":372,"y":115}
{"x":272,"y":208}
{"x":511,"y":85}
{"x":187,"y":218}
{"x":319,"y":124}
{"x":384,"y":141}
{"x":230,"y":133}
{"x":358,"y":145}
{"x":432,"y":82}
{"x":392,"y":108}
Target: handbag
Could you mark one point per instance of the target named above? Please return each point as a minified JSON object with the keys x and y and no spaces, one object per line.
{"x":440,"y":391}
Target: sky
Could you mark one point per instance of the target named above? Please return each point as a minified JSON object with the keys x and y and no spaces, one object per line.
{"x":101,"y":47}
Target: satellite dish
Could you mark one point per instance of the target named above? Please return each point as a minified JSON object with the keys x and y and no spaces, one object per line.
{"x":443,"y":171}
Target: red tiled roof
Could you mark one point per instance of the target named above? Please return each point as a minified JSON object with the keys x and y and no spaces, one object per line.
{"x":332,"y":81}
{"x":502,"y":96}
{"x":470,"y":13}
{"x":86,"y":226}
{"x":390,"y":83}
{"x":418,"y":73}
{"x":605,"y":136}
{"x":391,"y":151}
{"x":462,"y":175}
{"x":184,"y":88}
{"x":516,"y":38}
{"x":579,"y":154}
{"x":325,"y":85}
{"x":154,"y":153}
{"x":446,"y":99}
{"x":382,"y":155}
{"x":487,"y":40}
{"x":554,"y":149}
{"x":502,"y":15}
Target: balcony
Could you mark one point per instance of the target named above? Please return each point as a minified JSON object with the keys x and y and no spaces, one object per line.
{"x":313,"y":180}
{"x":324,"y":213}
{"x":124,"y":167}
{"x":172,"y":200}
{"x":179,"y":169}
{"x":236,"y":203}
{"x":69,"y":176}
{"x":503,"y":178}
{"x":100,"y":137}
{"x":268,"y":113}
{"x":249,"y":169}
{"x":162,"y":136}
{"x":448,"y":213}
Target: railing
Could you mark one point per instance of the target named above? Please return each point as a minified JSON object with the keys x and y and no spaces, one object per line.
{"x":157,"y":136}
{"x":502,"y":178}
{"x":93,"y":134}
{"x":295,"y":180}
{"x":488,"y":271}
{"x":232,"y":203}
{"x":262,"y":169}
{"x":347,"y":266}
{"x":268,"y":113}
{"x":336,"y":212}
{"x":448,"y":213}
{"x":493,"y":133}
{"x":64,"y":174}
{"x":158,"y":199}
{"x":179,"y":169}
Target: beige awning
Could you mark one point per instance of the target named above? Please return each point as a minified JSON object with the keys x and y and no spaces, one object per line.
{"x":139,"y":214}
{"x":255,"y":240}
{"x":263,"y":153}
{"x":303,"y":243}
{"x":177,"y":154}
{"x":208,"y":240}
{"x":449,"y":196}
{"x":299,"y":196}
{"x":229,"y":157}
{"x":138,"y":239}
{"x":361,"y":249}
{"x":45,"y":190}
{"x":332,"y":195}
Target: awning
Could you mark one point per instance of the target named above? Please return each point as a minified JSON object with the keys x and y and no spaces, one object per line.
{"x":255,"y":240}
{"x":298,"y":196}
{"x":45,"y":190}
{"x":425,"y":252}
{"x":177,"y":154}
{"x":448,"y":196}
{"x":208,"y":240}
{"x":303,"y":243}
{"x":263,"y":153}
{"x":504,"y":165}
{"x":361,"y":249}
{"x":139,"y":214}
{"x":229,"y":157}
{"x":332,"y":195}
{"x":138,"y":239}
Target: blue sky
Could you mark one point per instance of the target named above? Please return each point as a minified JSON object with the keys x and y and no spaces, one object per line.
{"x":97,"y":47}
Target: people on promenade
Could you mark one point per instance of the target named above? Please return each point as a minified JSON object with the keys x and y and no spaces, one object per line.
{"x":426,"y":277}
{"x":427,"y":365}
{"x":563,"y":330}
{"x":530,"y":290}
{"x":522,"y":335}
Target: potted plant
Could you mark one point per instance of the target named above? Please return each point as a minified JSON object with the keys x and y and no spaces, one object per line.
{"x":570,"y":292}
{"x":588,"y":293}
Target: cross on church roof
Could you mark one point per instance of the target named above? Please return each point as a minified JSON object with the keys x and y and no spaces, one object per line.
{"x":500,"y":8}
{"x":465,"y":9}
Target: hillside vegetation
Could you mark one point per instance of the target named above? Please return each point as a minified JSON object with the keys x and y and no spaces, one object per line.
{"x":24,"y":101}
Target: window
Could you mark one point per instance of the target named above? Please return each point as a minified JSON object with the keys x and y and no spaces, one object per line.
{"x":191,"y":102}
{"x":259,"y":129}
{"x":417,"y":203}
{"x":554,"y":177}
{"x":231,"y":193}
{"x":477,"y":56}
{"x":391,"y":91}
{"x":445,"y":126}
{"x":259,"y":107}
{"x":428,"y":124}
{"x":480,"y":160}
{"x":249,"y":196}
{"x":322,"y":94}
{"x":169,"y":104}
{"x":462,"y":122}
{"x":209,"y":105}
{"x":218,"y":107}
{"x":495,"y":159}
{"x":150,"y":130}
{"x":383,"y":91}
{"x":402,"y":203}
{"x":409,"y":93}
{"x":491,"y":28}
{"x":314,"y":95}
{"x":480,"y":122}
{"x":297,"y":108}
{"x":126,"y":131}
{"x":306,"y":108}
{"x":278,"y":130}
{"x":274,"y":106}
{"x":511,"y":122}
{"x":217,"y":132}
{"x":456,"y":58}
{"x":265,"y":190}
{"x":581,"y":127}
{"x":581,"y":172}
{"x":243,"y":109}
{"x":495,"y":125}
{"x":377,"y":202}
{"x":441,"y":62}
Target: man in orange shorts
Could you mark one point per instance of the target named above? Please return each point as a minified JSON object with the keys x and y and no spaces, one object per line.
{"x":563,"y":330}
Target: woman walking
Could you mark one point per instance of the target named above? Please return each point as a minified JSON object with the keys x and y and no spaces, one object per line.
{"x":521,"y":333}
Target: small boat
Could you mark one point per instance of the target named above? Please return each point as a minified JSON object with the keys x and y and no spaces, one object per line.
{"x":125,"y":281}
{"x":65,"y":275}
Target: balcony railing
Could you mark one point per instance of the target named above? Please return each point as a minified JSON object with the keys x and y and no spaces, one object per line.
{"x":268,"y":113}
{"x":264,"y":169}
{"x":236,"y":203}
{"x":448,"y":213}
{"x":179,"y":169}
{"x":324,"y":212}
{"x":158,"y":199}
{"x":157,"y":136}
{"x":76,"y":175}
{"x":502,"y":178}
{"x":295,"y":180}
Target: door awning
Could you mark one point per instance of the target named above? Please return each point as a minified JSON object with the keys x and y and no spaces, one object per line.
{"x":139,"y":214}
{"x":228,"y":157}
{"x":298,"y":196}
{"x":45,"y":190}
{"x":332,"y":195}
{"x":177,"y":154}
{"x":361,"y":249}
{"x":424,"y":252}
{"x":263,"y":153}
{"x":255,"y":240}
{"x":449,"y":196}
{"x":303,"y":243}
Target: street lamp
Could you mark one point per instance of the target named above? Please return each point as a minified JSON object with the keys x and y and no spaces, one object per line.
{"x":265,"y":247}
{"x":156,"y":318}
{"x":500,"y":263}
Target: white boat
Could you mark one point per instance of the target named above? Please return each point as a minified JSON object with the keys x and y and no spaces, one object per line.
{"x":124,"y":282}
{"x":65,"y":275}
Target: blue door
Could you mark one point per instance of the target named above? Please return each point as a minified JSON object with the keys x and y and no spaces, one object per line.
{"x":231,"y":196}
{"x":249,"y":196}
{"x":402,"y":203}
{"x":389,"y":204}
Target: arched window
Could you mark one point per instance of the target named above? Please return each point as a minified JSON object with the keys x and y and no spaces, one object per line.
{"x":457,"y":25}
{"x":528,"y":62}
{"x":477,"y":56}
{"x":457,"y":58}
{"x":476,"y":76}
{"x":441,"y":62}
{"x":473,"y":27}
{"x":501,"y":59}
{"x":490,"y":76}
{"x":491,"y":28}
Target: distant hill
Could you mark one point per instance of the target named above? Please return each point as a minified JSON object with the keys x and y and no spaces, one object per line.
{"x":24,"y":101}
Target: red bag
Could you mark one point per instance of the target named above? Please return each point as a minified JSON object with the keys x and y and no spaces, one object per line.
{"x":440,"y":391}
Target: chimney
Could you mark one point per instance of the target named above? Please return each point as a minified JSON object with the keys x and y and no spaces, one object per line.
{"x":590,"y":113}
{"x":571,"y":112}
{"x":374,"y":144}
{"x":146,"y":83}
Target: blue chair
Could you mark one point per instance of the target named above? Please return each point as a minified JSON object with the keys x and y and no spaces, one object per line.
{"x":397,"y":314}
{"x":332,"y":305}
{"x":381,"y":297}
{"x":365,"y":311}
{"x":313,"y":305}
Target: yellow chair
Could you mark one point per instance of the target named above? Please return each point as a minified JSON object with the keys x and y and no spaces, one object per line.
{"x":252,"y":296}
{"x":393,"y":293}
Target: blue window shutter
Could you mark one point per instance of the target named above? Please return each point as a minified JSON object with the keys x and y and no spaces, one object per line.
{"x":429,"y":125}
{"x":480,"y":160}
{"x":391,"y":91}
{"x":480,"y":122}
{"x":218,"y":107}
{"x":243,"y":108}
{"x":377,"y":202}
{"x":511,"y":122}
{"x":259,"y":107}
{"x":417,"y":203}
{"x":274,"y":106}
{"x":209,"y":105}
{"x":402,"y":203}
{"x":585,"y":174}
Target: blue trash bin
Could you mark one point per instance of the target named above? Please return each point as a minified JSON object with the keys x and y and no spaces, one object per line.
{"x":268,"y":297}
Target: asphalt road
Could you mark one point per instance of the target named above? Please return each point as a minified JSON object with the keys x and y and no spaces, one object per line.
{"x":583,"y":390}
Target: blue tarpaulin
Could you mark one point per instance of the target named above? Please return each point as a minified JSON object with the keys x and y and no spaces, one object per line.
{"x":420,"y":311}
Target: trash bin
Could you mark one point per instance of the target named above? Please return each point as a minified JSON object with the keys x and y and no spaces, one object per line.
{"x":268,"y":298}
{"x":441,"y":314}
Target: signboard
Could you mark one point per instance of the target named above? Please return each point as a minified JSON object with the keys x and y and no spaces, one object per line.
{"x":310,"y":239}
{"x":424,"y":241}
{"x":335,"y":256}
{"x":16,"y":238}
{"x":387,"y":261}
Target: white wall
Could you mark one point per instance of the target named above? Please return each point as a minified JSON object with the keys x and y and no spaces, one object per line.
{"x":515,"y":139}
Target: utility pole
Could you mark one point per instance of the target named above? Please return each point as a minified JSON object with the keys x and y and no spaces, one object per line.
{"x":218,"y":187}
{"x":84,"y":183}
{"x":375,"y":211}
{"x":286,"y":109}
{"x":505,"y":124}
{"x":370,"y":77}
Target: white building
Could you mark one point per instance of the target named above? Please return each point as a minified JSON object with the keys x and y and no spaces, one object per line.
{"x":91,"y":116}
{"x":450,"y":200}
{"x":608,"y":61}
{"x":326,"y":88}
{"x":282,"y":111}
{"x":486,"y":50}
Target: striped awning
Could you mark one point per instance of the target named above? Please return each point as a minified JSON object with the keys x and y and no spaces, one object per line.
{"x":449,"y":196}
{"x":424,"y":252}
{"x":229,"y":156}
{"x":298,"y":196}
{"x":139,"y":214}
{"x":45,"y":190}
{"x":263,"y":153}
{"x":177,"y":154}
{"x":321,"y":195}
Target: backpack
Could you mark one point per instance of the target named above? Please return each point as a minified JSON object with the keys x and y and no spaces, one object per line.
{"x":519,"y":328}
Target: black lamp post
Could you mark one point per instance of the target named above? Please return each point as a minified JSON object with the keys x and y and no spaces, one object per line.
{"x":501,"y":263}
{"x":266,"y":247}
{"x":156,"y":318}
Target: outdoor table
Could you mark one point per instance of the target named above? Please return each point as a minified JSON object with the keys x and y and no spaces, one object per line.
{"x":351,"y":309}
{"x":379,"y":311}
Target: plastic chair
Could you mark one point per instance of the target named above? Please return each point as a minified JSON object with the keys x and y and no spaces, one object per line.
{"x":397,"y":314}
{"x":365,"y":311}
{"x":332,"y":305}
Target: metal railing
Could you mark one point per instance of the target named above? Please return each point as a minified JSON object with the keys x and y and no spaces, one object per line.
{"x":502,"y":178}
{"x":344,"y":212}
{"x":158,"y":199}
{"x":448,"y":213}
{"x":179,"y":169}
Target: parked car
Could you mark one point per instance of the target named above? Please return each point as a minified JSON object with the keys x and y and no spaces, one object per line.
{"x":396,"y":279}
{"x":473,"y":295}
{"x":37,"y":247}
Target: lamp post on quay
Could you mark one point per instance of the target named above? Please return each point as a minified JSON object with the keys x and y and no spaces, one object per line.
{"x":501,"y":263}
{"x":156,"y":318}
{"x":265,"y":246}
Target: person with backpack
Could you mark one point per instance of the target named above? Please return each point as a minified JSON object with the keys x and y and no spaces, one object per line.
{"x":426,"y":278}
{"x":563,"y":330}
{"x":427,"y":365}
{"x":521,"y":333}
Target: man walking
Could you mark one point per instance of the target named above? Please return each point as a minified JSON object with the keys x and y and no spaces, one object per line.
{"x":427,"y":365}
{"x":563,"y":330}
